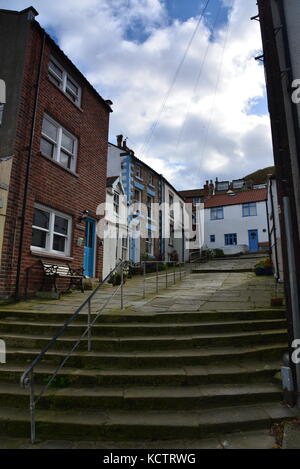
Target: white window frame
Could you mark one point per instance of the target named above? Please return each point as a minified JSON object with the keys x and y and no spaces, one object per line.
{"x":116,"y":202}
{"x":138,"y":171}
{"x":149,"y":207}
{"x":58,"y":144}
{"x":50,"y":232}
{"x":149,"y":243}
{"x":63,"y":82}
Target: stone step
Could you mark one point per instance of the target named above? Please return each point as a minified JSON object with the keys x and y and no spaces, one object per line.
{"x":243,"y":372}
{"x":156,"y":317}
{"x":169,"y":358}
{"x":164,"y":425}
{"x":214,"y":270}
{"x":140,"y":343}
{"x":140,"y":329}
{"x":141,"y":398}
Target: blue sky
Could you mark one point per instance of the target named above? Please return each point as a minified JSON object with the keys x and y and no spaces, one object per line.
{"x":212,"y":120}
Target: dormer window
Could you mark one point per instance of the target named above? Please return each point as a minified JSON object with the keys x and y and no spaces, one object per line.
{"x":64,"y":81}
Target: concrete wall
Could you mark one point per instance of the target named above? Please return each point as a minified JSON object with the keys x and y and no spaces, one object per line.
{"x":234,"y":222}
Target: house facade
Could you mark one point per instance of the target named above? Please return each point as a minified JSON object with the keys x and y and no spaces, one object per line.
{"x":155,"y":230}
{"x":53,"y":158}
{"x":236,"y":221}
{"x":115,"y":226}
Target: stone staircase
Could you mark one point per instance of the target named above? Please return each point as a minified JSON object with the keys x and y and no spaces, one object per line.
{"x":150,"y":376}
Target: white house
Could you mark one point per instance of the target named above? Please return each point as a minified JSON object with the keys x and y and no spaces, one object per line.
{"x":236,"y":221}
{"x":274,"y":229}
{"x":174,"y":221}
{"x":115,"y":229}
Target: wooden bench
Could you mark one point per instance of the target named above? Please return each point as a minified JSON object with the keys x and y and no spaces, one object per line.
{"x":56,"y":271}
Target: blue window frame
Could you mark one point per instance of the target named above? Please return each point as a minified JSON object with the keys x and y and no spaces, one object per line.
{"x":250,"y":210}
{"x":217,"y":213}
{"x":212,"y":238}
{"x":231,"y":239}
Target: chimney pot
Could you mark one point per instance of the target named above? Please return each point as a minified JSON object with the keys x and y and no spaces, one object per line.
{"x":119,"y":140}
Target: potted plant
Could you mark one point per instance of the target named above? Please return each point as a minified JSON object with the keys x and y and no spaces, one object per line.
{"x":264,"y":267}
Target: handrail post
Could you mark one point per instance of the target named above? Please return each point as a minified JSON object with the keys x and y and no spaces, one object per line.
{"x":180,"y":265}
{"x":174,"y":267}
{"x":32,"y":407}
{"x":122,"y":283}
{"x":166,"y":275}
{"x":156,"y":277}
{"x":89,"y":327}
{"x":144,"y":279}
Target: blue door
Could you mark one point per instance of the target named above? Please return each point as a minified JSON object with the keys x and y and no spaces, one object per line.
{"x":253,"y":240}
{"x":89,"y":248}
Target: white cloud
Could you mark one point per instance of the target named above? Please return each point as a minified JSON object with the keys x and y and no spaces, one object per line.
{"x":219,"y":138}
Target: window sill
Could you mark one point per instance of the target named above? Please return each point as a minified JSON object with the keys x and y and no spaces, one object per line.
{"x":58,"y":164}
{"x":137,"y":177}
{"x":48,"y":255}
{"x":65,"y":95}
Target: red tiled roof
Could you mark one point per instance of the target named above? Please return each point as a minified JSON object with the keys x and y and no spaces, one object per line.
{"x":243,"y":197}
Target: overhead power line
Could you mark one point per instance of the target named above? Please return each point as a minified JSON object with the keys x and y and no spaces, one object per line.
{"x":148,"y":138}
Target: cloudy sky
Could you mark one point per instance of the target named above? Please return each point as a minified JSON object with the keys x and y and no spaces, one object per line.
{"x":188,"y":95}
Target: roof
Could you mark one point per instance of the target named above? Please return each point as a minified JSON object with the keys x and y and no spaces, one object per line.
{"x":110,"y":180}
{"x":192,"y":193}
{"x":244,"y":197}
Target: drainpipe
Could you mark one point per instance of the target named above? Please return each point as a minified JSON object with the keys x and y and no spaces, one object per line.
{"x":27,"y":174}
{"x":275,"y":231}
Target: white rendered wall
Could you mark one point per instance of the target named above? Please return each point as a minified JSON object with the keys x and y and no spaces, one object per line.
{"x":234,"y":222}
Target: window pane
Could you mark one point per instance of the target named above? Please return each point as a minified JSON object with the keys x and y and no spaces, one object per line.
{"x":47,"y":148}
{"x":61,"y":225}
{"x":41,"y":218}
{"x":67,"y":142}
{"x":59,"y":243}
{"x":54,"y":68}
{"x":72,"y":87}
{"x":49,"y":129}
{"x":39,"y":238}
{"x":65,"y":159}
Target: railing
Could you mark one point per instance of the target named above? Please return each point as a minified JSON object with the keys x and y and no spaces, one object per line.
{"x":177,"y":269}
{"x":27,"y":379}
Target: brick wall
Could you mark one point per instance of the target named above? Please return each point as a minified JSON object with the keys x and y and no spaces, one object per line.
{"x":49,"y":183}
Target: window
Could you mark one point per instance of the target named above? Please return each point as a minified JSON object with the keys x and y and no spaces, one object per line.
{"x":171,"y":240}
{"x":149,"y":207}
{"x":238,"y":184}
{"x":64,"y":81}
{"x":137,"y":200}
{"x":231,"y":239}
{"x":138,"y":172}
{"x":194,"y":218}
{"x":149,"y":243}
{"x":150,"y":179}
{"x":212,"y":238}
{"x":222,"y":186}
{"x":116,"y":202}
{"x":58,"y":143}
{"x":196,"y":201}
{"x":51,"y":231}
{"x":124,"y":247}
{"x":217,"y":213}
{"x":249,"y":210}
{"x":171,"y":205}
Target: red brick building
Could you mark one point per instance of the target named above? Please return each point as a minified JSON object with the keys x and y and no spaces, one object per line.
{"x":53,"y":158}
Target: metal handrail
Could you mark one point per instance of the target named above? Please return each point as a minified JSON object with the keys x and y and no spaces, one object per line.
{"x":27,"y":378}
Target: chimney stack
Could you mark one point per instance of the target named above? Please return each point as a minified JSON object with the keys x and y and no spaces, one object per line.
{"x":206,"y":189}
{"x":119,"y":140}
{"x":211,"y":188}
